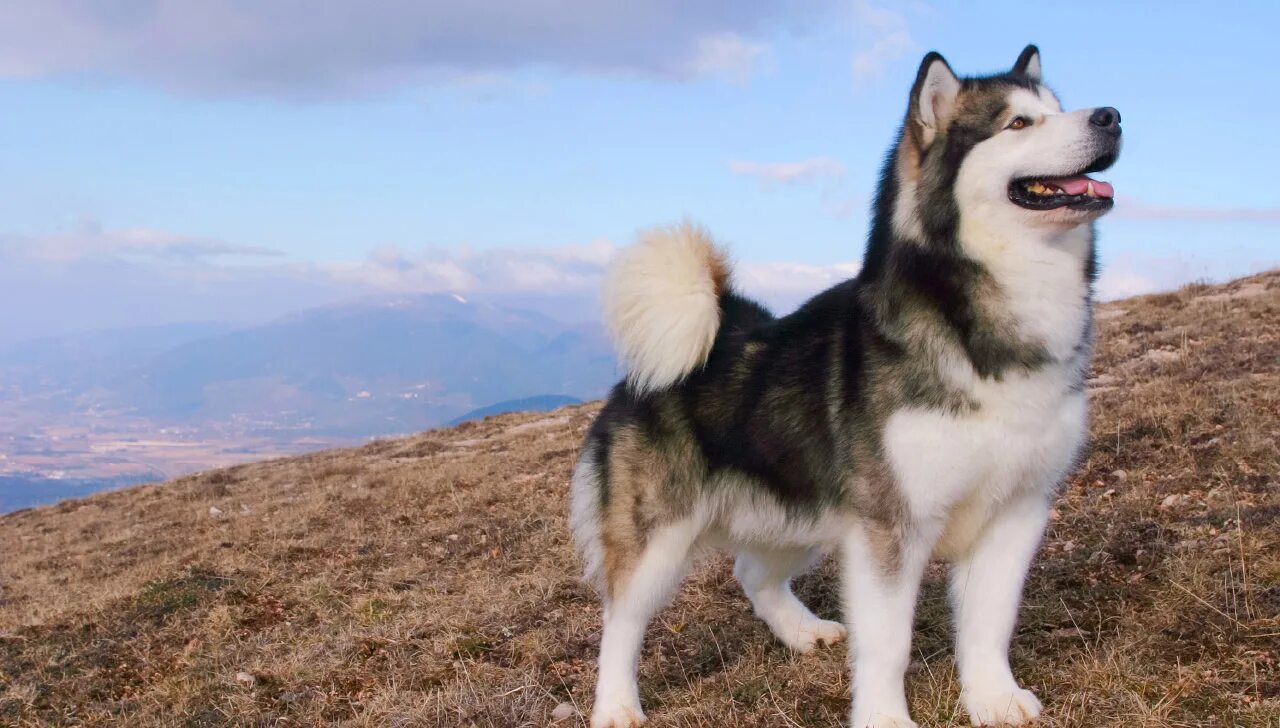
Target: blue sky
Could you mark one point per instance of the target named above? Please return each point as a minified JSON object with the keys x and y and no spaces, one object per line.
{"x":261,"y":157}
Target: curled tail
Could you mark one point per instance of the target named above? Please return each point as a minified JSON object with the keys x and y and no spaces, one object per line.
{"x":662,"y":304}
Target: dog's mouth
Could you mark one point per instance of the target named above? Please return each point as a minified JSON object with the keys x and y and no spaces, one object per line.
{"x":1077,"y":191}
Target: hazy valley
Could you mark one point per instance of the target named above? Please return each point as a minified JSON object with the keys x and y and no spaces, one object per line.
{"x":133,"y":405}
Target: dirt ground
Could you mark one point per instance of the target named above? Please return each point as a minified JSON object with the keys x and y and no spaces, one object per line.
{"x":431,"y":581}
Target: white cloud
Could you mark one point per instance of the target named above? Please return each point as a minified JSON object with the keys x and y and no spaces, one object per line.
{"x":728,"y":55}
{"x":885,"y":37}
{"x":95,"y":278}
{"x":1122,"y":283}
{"x":503,"y":270}
{"x":300,"y":49}
{"x":783,"y":286}
{"x":1137,"y":209}
{"x":777,"y":173}
{"x":559,"y":271}
{"x":871,"y":62}
{"x":1136,"y":273}
{"x":90,"y":241}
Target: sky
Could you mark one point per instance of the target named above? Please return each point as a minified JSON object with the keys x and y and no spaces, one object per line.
{"x":236,"y":160}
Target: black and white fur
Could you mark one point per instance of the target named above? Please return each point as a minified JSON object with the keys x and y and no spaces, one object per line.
{"x":927,"y":408}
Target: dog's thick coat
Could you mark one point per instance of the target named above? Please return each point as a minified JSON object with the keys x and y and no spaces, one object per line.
{"x":928,"y":407}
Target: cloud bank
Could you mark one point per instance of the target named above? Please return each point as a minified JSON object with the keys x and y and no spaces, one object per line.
{"x":1139,"y":210}
{"x":89,"y":241}
{"x":96,"y":278}
{"x":885,"y":38}
{"x":780,"y":173}
{"x":568,"y":268}
{"x":301,"y":48}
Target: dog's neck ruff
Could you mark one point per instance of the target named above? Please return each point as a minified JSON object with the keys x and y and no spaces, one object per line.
{"x":1016,"y":295}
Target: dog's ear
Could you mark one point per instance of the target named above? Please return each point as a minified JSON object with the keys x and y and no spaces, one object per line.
{"x":1028,"y":64}
{"x":932,"y":98}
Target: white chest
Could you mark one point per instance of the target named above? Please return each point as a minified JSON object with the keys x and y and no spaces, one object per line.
{"x":957,"y":468}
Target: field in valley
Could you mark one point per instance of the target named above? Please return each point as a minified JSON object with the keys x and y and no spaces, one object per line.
{"x":431,"y":581}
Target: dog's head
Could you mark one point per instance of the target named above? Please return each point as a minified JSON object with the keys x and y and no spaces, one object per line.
{"x":1000,"y":149}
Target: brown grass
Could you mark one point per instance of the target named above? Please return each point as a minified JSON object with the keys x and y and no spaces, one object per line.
{"x":431,"y":581}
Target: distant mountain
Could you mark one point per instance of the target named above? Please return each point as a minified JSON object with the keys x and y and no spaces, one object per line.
{"x":542,"y":403}
{"x":77,"y":413}
{"x":370,"y":368}
{"x":79,"y":362}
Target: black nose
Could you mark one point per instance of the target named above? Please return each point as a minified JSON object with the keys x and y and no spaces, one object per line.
{"x":1107,"y":119}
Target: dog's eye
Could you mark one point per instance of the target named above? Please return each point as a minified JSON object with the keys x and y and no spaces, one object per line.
{"x":1019,"y":122}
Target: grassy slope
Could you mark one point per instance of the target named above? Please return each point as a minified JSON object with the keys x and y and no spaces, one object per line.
{"x":431,"y":580}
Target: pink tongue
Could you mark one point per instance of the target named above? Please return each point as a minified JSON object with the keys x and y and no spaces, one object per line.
{"x":1079,"y":184}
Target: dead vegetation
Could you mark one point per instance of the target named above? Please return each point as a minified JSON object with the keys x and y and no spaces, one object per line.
{"x":431,"y":581}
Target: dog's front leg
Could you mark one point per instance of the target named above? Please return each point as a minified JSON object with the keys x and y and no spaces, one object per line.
{"x":986,"y":588}
{"x":883,"y":567}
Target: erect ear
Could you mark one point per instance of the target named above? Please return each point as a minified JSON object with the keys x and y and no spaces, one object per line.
{"x":932,"y":98}
{"x":1028,"y":63}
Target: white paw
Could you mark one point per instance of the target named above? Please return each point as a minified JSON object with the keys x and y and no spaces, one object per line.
{"x":617,"y":716}
{"x":805,"y":635}
{"x":880,"y":720}
{"x":1010,"y":707}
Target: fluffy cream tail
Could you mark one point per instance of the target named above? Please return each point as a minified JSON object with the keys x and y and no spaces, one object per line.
{"x":662,"y":304}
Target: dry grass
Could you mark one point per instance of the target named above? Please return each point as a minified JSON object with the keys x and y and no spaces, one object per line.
{"x":431,"y":581}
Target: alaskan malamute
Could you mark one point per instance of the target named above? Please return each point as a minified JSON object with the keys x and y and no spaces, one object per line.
{"x":928,"y":407}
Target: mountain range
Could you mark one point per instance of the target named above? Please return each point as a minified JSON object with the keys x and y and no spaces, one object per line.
{"x":95,"y":410}
{"x":357,"y":370}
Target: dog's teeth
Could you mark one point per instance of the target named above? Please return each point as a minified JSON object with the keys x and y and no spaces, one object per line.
{"x":1089,"y":190}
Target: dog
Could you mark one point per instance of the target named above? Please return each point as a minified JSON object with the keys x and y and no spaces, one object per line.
{"x":928,"y":408}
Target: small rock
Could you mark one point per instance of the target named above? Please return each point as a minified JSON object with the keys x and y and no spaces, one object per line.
{"x":1249,"y":290}
{"x":245,"y":678}
{"x":1161,"y":356}
{"x":1103,"y":380}
{"x":1066,"y":633}
{"x":215,"y":512}
{"x":1171,"y":500}
{"x":1120,"y":475}
{"x":563,"y":711}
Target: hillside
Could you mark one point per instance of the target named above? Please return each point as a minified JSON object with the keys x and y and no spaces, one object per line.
{"x":430,"y":581}
{"x":542,"y":403}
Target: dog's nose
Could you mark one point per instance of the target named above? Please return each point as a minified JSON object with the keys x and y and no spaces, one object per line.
{"x":1106,"y":119}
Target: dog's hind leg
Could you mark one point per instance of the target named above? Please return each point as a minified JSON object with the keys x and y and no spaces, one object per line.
{"x":634,"y":598}
{"x":765,"y":575}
